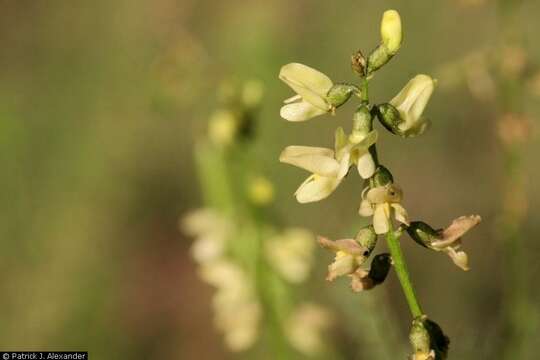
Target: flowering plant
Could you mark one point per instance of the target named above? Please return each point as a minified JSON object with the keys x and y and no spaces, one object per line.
{"x":381,"y":197}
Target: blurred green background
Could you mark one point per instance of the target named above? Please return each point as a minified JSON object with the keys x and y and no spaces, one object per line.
{"x":101,"y":103}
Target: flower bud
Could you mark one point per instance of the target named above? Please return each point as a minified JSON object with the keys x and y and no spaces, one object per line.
{"x":391,"y":33}
{"x":362,"y":120}
{"x":339,"y":94}
{"x":260,"y":191}
{"x":382,"y":177}
{"x":378,"y":58}
{"x":367,"y":238}
{"x":391,"y":36}
{"x":222,"y":128}
{"x":252,"y":93}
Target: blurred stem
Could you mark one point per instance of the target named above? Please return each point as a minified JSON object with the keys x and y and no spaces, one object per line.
{"x":392,"y":239}
{"x":213,"y":179}
{"x":223,"y":175}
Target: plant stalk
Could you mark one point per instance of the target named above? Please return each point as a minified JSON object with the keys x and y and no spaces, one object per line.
{"x":392,"y":239}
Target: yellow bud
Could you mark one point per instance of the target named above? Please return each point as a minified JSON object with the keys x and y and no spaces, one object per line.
{"x":222,"y":128}
{"x":261,"y":191}
{"x":391,"y":31}
{"x":252,"y":93}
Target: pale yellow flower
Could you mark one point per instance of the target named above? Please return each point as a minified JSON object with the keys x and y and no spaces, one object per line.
{"x":311,"y":87}
{"x":357,"y":146}
{"x":411,"y":102}
{"x":383,"y":203}
{"x":328,"y":168}
{"x":306,"y":328}
{"x":350,"y":253}
{"x":237,"y":311}
{"x":447,"y":240}
{"x":211,"y":231}
{"x":450,"y":239}
{"x":291,"y":254}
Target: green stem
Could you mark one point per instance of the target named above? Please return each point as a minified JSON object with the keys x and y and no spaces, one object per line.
{"x":364,"y":90}
{"x":392,"y":238}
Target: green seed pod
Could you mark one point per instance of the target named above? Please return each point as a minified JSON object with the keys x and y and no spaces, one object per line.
{"x":439,"y":341}
{"x":340,"y":93}
{"x":367,"y":238}
{"x":389,"y":117}
{"x":380,"y":266}
{"x":422,"y":233}
{"x":382,"y":177}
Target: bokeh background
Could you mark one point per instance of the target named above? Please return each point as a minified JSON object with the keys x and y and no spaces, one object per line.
{"x":101,"y":103}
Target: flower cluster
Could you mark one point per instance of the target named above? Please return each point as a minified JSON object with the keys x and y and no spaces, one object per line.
{"x":381,"y":197}
{"x":235,"y":294}
{"x":239,"y":252}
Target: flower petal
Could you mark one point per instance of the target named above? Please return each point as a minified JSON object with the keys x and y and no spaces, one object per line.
{"x":456,"y":230}
{"x":459,"y":257}
{"x":366,"y":209}
{"x":340,"y":139}
{"x":367,"y":141}
{"x":381,"y":218}
{"x":417,"y":129}
{"x":361,"y":281}
{"x":293,"y":99}
{"x":343,"y":264}
{"x":305,"y":76}
{"x":365,"y":165}
{"x":300,"y":111}
{"x":313,"y":159}
{"x":307,"y":82}
{"x":316,"y":188}
{"x":400,"y":213}
{"x":381,"y":194}
{"x":344,"y":165}
{"x":349,"y":246}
